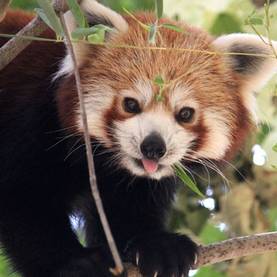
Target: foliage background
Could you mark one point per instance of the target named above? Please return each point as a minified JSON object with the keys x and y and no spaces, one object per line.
{"x":250,"y":206}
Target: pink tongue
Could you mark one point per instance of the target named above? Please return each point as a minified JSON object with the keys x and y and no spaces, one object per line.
{"x":150,"y":166}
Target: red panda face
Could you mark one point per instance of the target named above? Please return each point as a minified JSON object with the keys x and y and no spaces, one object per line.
{"x":207,"y":105}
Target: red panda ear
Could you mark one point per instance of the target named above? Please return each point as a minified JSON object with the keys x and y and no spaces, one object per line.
{"x":96,"y":13}
{"x":254,"y":70}
{"x":100,"y":14}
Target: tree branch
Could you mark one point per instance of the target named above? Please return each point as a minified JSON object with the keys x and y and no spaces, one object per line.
{"x":16,"y":45}
{"x":35,"y":28}
{"x":228,"y":250}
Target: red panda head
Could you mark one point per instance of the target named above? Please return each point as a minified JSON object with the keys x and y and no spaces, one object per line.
{"x":207,"y":104}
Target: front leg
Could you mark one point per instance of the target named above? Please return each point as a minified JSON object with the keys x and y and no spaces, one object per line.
{"x":137,"y":217}
{"x":162,"y":254}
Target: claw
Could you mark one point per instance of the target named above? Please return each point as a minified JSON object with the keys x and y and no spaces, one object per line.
{"x":137,"y":258}
{"x":195,"y":259}
{"x":156,"y":274}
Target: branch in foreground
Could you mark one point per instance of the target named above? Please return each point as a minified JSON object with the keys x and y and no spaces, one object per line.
{"x":35,"y":28}
{"x":92,"y":176}
{"x":228,"y":250}
{"x":4,"y":4}
{"x":16,"y":45}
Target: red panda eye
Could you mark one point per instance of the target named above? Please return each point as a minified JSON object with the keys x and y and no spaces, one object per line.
{"x":131,"y":105}
{"x":185,"y":115}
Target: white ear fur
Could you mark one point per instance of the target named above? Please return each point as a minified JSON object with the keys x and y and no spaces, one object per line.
{"x":99,"y":14}
{"x":96,"y":9}
{"x":256,"y":70}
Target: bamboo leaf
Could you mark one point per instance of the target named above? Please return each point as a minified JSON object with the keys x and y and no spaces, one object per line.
{"x":173,"y":27}
{"x":52,"y":18}
{"x":97,"y":38}
{"x":77,"y":13}
{"x":159,"y":97}
{"x":81,"y":33}
{"x":185,"y":178}
{"x":275,"y":147}
{"x":43,"y":16}
{"x":159,"y":8}
{"x":254,"y":21}
{"x":159,"y":81}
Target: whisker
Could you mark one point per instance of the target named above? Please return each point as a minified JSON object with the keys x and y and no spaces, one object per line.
{"x":60,"y":141}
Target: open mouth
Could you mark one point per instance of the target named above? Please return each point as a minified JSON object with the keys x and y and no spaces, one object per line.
{"x":150,"y":166}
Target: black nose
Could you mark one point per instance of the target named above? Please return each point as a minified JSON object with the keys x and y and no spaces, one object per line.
{"x":153,"y":147}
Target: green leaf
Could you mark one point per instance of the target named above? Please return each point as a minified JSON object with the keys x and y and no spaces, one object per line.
{"x":159,"y":8}
{"x":153,"y":28}
{"x":272,"y":216}
{"x":43,"y":16}
{"x":97,"y":38}
{"x":159,"y":97}
{"x":181,"y":173}
{"x":211,"y":234}
{"x":81,"y":33}
{"x":173,"y":27}
{"x":254,"y":21}
{"x":275,"y":148}
{"x":225,"y":23}
{"x":52,"y":18}
{"x":159,"y":81}
{"x":23,"y":4}
{"x":264,"y":130}
{"x":209,"y":272}
{"x":77,"y":13}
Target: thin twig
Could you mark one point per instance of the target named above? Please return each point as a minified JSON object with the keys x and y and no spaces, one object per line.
{"x":228,"y":250}
{"x":17,"y":44}
{"x":92,"y":176}
{"x":4,"y":4}
{"x":268,"y":27}
{"x":144,"y":48}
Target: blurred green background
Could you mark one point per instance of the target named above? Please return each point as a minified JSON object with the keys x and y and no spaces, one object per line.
{"x":244,"y":201}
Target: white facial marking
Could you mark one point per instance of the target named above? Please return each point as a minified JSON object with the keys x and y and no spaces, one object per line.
{"x":132,"y":132}
{"x":182,"y":96}
{"x":65,"y":67}
{"x":97,"y":102}
{"x":142,"y":92}
{"x":218,"y":136}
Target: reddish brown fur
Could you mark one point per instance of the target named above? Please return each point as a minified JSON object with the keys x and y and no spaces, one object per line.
{"x":206,"y":74}
{"x":103,"y":63}
{"x":35,"y":63}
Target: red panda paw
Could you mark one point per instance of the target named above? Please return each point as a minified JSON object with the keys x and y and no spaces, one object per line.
{"x":161,"y":254}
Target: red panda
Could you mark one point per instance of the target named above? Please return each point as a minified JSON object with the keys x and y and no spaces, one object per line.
{"x":207,"y":110}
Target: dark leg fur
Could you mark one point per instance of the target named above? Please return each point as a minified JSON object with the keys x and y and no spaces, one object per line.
{"x":136,"y":212}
